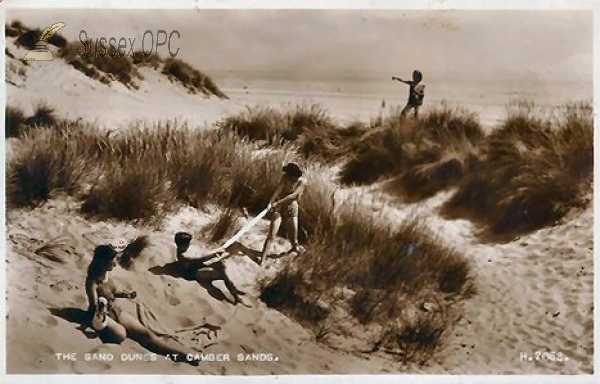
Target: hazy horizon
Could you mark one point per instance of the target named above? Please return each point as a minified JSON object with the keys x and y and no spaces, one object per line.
{"x":359,"y":44}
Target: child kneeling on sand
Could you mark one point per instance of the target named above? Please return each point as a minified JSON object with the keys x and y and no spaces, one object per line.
{"x":196,"y":269}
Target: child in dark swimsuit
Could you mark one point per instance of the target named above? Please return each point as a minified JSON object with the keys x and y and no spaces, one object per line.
{"x":195,"y":267}
{"x":416,"y":93}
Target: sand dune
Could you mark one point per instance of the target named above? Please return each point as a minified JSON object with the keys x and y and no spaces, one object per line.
{"x":74,"y":95}
{"x":48,"y":296}
{"x":534,"y":293}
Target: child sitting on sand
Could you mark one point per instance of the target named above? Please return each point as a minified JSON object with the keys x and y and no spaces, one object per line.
{"x":195,"y":268}
{"x":291,"y":185}
{"x":105,"y":316}
{"x":416,"y":93}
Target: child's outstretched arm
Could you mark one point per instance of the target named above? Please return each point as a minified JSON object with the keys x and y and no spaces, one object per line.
{"x":201,"y":259}
{"x":399,"y":79}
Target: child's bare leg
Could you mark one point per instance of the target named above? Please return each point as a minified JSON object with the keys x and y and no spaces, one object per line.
{"x":235,"y":292}
{"x":293,"y":228}
{"x":207,"y":274}
{"x":405,"y":110}
{"x":273,"y":228}
{"x":148,"y":340}
{"x":217,"y":271}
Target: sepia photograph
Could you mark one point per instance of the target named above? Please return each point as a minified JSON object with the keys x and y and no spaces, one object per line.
{"x":265,"y":192}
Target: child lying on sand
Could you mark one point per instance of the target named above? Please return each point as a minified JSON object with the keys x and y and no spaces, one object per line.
{"x":195,"y":267}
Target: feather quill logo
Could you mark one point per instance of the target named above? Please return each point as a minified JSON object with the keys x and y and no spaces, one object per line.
{"x":41,"y":51}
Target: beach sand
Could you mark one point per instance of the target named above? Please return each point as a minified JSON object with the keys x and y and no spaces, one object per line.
{"x":533,"y":294}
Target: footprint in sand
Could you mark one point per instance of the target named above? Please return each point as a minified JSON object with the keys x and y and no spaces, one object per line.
{"x":172,"y":299}
{"x":95,"y":364}
{"x":257,"y":330}
{"x":50,"y":320}
{"x":61,"y":285}
{"x":80,"y":300}
{"x":82,"y":263}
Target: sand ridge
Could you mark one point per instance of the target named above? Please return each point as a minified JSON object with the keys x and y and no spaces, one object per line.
{"x":534,"y":293}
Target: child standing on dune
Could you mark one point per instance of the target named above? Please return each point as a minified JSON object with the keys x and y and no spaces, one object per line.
{"x":416,"y":93}
{"x":291,"y":186}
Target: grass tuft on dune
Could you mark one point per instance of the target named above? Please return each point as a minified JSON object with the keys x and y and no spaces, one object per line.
{"x":526,"y":174}
{"x":14,"y":119}
{"x":49,"y":160}
{"x":384,"y":266}
{"x":28,"y":38}
{"x":16,"y":122}
{"x":104,"y":65}
{"x":534,"y":169}
{"x":192,"y":79}
{"x":311,"y":129}
{"x":425,"y":155}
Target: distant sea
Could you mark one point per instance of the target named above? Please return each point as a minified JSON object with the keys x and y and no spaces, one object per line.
{"x":363,"y":100}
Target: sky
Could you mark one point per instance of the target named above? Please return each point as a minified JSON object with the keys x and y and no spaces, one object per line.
{"x":339,"y":44}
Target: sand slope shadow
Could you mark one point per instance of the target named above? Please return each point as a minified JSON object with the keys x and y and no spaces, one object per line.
{"x":77,"y":316}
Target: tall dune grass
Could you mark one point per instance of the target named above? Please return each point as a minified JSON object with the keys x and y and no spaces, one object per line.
{"x":157,"y":165}
{"x":258,"y":123}
{"x":28,"y":38}
{"x":191,"y":78}
{"x":98,"y":65}
{"x":330,"y":145}
{"x":16,"y":121}
{"x":44,"y":164}
{"x":426,"y":155}
{"x":129,"y":190}
{"x":275,"y":125}
{"x":534,"y":169}
{"x":386,"y":267}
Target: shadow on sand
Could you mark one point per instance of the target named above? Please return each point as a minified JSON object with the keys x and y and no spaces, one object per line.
{"x":174,"y":269}
{"x":77,"y":316}
{"x":254,"y":255}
